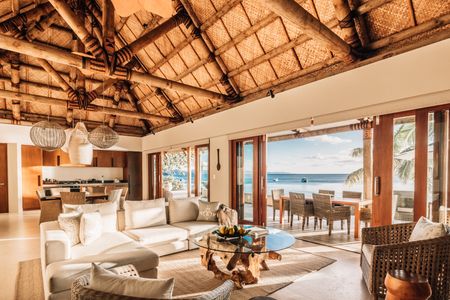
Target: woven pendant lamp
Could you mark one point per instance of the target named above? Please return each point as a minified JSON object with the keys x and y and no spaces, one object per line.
{"x":47,"y":135}
{"x":80,"y":150}
{"x":103,"y":137}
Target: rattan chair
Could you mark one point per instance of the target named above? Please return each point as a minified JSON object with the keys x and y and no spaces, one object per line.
{"x":276,"y":199}
{"x":301,"y":207}
{"x":328,"y":192}
{"x":323,"y":209}
{"x":80,"y":289}
{"x":50,"y":209}
{"x":387,"y":248}
{"x":365,"y":213}
{"x":96,"y":189}
{"x":73,"y":198}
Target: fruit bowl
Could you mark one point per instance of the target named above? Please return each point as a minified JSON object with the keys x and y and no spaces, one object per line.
{"x":231,"y":231}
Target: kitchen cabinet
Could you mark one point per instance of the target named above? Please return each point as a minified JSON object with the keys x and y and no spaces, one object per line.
{"x":3,"y":179}
{"x":109,"y":159}
{"x":32,"y":161}
{"x":104,"y":159}
{"x":55,"y":158}
{"x":119,"y":159}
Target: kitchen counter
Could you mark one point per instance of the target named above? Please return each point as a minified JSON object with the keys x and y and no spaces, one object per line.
{"x":56,"y":185}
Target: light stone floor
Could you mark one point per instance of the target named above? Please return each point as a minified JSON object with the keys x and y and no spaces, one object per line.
{"x":19,"y":240}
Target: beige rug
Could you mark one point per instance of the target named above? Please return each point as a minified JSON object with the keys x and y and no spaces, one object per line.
{"x":192,"y":278}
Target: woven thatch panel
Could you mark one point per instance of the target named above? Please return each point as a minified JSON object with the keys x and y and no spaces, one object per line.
{"x":388,"y":19}
{"x":236,"y":21}
{"x":285,"y":63}
{"x":204,"y":9}
{"x":428,"y":9}
{"x":273,"y":36}
{"x":245,"y":81}
{"x":218,"y":34}
{"x":249,"y":49}
{"x":311,"y":53}
{"x":263,"y":73}
{"x":254,"y":11}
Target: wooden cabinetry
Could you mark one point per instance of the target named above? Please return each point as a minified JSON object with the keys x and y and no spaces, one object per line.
{"x":32,"y":161}
{"x":109,"y":159}
{"x":55,"y":158}
{"x":133,"y":174}
{"x":3,"y":179}
{"x":119,"y":159}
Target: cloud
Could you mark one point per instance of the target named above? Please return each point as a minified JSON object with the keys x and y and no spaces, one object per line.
{"x":334,"y":140}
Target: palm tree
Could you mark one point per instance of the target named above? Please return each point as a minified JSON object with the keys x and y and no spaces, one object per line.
{"x":404,"y":147}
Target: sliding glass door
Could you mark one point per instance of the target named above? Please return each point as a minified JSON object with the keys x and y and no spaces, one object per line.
{"x":201,"y":171}
{"x":249,"y":179}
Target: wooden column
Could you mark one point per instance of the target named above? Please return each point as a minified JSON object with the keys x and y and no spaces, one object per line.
{"x":197,"y":190}
{"x":367,"y":163}
{"x":383,"y":156}
{"x":188,"y":153}
{"x":312,"y":27}
{"x":421,"y":165}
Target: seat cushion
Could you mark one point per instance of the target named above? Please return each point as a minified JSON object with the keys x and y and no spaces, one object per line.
{"x":109,"y":251}
{"x":158,"y":235}
{"x":145,"y":213}
{"x":183,"y":210}
{"x":367,"y":251}
{"x":196,"y":228}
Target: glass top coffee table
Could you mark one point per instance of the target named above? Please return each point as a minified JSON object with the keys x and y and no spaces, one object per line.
{"x":243,"y":257}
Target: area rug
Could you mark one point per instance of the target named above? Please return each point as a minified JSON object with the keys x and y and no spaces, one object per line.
{"x":338,"y":240}
{"x":191,"y":278}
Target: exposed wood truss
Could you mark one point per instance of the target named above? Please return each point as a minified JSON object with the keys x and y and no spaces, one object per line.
{"x":77,"y":59}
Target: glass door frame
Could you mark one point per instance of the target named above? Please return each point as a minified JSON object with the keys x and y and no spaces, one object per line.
{"x":197,"y":177}
{"x":259,"y":178}
{"x":383,"y":165}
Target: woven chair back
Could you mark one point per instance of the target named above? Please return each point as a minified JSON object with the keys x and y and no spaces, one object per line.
{"x":298,"y":202}
{"x":352,"y":195}
{"x":322,"y":205}
{"x":73,"y":198}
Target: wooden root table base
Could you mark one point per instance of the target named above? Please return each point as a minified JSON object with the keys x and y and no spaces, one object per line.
{"x":402,"y":285}
{"x":242,"y":268}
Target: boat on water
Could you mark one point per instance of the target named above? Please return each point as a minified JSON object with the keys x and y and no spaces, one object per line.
{"x":304,"y":180}
{"x":275,"y":179}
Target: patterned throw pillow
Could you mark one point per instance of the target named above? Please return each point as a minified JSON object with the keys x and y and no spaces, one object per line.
{"x":70,"y":223}
{"x":425,"y":229}
{"x":207,"y":211}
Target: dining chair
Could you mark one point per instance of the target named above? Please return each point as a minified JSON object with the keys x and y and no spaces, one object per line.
{"x":300,"y":207}
{"x":96,"y":189}
{"x":323,"y":209}
{"x":50,"y":209}
{"x":365,"y":212}
{"x":73,"y":198}
{"x":115,"y":197}
{"x":123,"y":197}
{"x":276,"y":199}
{"x":327,"y":192}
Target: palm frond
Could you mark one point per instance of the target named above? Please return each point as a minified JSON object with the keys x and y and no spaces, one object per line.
{"x":355,"y":177}
{"x":357,"y":152}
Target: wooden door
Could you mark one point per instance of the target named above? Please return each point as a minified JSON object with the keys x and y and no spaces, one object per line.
{"x":133,"y":174}
{"x":31,"y":176}
{"x":3,"y":179}
{"x":154,"y":176}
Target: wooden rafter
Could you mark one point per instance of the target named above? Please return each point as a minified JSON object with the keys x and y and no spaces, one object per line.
{"x":108,"y":26}
{"x":347,"y":23}
{"x":294,"y":12}
{"x":15,"y":86}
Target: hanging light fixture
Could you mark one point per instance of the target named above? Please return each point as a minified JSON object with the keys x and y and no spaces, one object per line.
{"x":80,"y":150}
{"x":47,"y":135}
{"x":103,"y":137}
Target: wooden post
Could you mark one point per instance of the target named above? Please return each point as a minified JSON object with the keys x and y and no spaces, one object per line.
{"x":367,"y":163}
{"x":189,"y":179}
{"x":108,"y":26}
{"x":346,"y":23}
{"x":96,"y":66}
{"x":312,"y":27}
{"x":421,"y":164}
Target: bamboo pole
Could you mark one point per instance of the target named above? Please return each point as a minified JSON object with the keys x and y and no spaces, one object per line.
{"x":25,"y":18}
{"x":292,"y":11}
{"x":95,"y":66}
{"x":15,"y":86}
{"x":346,"y":23}
{"x":108,"y":26}
{"x":117,"y":93}
{"x":60,"y":102}
{"x":370,"y":5}
{"x":77,"y":25}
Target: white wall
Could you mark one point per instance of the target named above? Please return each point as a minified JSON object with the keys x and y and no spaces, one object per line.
{"x":219,"y":180}
{"x":84,"y":173}
{"x":14,"y":178}
{"x":419,"y":78}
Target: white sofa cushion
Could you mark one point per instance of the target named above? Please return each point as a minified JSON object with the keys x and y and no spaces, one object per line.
{"x":207,"y":211}
{"x":197,"y":229}
{"x":367,"y":251}
{"x":70,"y":223}
{"x":108,"y":242}
{"x":425,"y":229}
{"x":55,"y":244}
{"x":106,"y":281}
{"x":145,"y":213}
{"x":158,"y":235}
{"x":107,"y":210}
{"x":90,"y":227}
{"x":183,"y":210}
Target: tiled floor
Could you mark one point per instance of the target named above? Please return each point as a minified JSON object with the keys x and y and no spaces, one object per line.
{"x":19,"y":240}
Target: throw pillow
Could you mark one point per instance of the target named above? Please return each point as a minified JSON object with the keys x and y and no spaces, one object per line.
{"x":70,"y":223}
{"x":183,"y":210}
{"x":145,"y":213}
{"x":108,"y":282}
{"x":207,"y":211}
{"x":425,"y":229}
{"x":107,"y":210}
{"x":90,"y":227}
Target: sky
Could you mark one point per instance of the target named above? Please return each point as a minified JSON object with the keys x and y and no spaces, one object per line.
{"x":325,"y":154}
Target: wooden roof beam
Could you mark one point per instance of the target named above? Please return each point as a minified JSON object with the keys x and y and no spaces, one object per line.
{"x":77,"y":25}
{"x":108,"y":26}
{"x":96,"y":66}
{"x":22,"y":19}
{"x":147,"y":125}
{"x":15,"y":86}
{"x":370,"y":5}
{"x":312,"y":27}
{"x":118,"y":90}
{"x":347,"y":23}
{"x":23,"y":97}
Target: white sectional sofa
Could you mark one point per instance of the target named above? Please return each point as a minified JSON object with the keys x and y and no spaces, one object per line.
{"x":143,"y":234}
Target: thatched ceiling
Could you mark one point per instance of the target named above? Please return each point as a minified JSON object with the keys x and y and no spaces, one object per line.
{"x":238,"y":48}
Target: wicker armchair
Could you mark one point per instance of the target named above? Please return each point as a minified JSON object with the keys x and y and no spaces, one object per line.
{"x":323,"y":209}
{"x":73,"y":198}
{"x":301,"y":207}
{"x":386,"y":248}
{"x":81,"y":291}
{"x":276,"y":198}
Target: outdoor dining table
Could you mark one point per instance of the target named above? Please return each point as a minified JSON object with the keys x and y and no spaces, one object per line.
{"x":355,"y":203}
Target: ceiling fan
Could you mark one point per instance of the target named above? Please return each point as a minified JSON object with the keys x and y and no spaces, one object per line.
{"x":125,"y":8}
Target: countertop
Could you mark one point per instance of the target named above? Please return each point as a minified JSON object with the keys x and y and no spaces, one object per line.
{"x":52,"y":185}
